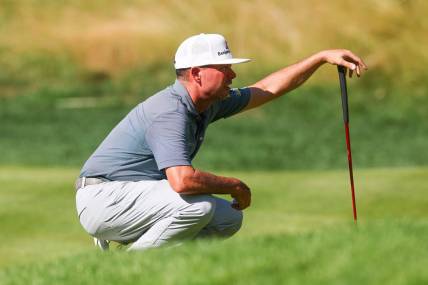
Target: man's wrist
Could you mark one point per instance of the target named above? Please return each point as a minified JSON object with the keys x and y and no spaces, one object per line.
{"x":321,"y":57}
{"x":236,"y":186}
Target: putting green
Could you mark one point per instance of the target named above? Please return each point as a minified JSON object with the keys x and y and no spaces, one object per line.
{"x":39,"y":222}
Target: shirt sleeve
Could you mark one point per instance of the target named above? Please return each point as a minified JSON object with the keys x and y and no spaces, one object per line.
{"x":236,"y":101}
{"x":167,"y":139}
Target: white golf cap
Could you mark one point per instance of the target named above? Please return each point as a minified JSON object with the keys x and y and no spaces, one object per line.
{"x":204,"y":49}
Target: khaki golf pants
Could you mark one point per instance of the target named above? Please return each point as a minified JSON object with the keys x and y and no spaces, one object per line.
{"x":150,"y":214}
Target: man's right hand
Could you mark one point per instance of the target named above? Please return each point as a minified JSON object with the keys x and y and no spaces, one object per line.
{"x":241,"y":196}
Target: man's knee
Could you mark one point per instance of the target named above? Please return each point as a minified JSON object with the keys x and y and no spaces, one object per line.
{"x":223,"y":226}
{"x":233,"y":226}
{"x":201,"y":211}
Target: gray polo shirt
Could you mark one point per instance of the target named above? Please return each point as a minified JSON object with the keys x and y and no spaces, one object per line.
{"x":163,"y":131}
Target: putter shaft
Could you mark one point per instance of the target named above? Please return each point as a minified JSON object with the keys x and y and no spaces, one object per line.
{"x":351,"y":174}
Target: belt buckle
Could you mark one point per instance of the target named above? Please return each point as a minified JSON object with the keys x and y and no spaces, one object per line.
{"x":82,"y":185}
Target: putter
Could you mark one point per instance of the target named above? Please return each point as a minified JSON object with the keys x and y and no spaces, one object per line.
{"x":344,"y":93}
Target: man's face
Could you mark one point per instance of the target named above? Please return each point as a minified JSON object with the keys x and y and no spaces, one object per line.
{"x":216,"y":79}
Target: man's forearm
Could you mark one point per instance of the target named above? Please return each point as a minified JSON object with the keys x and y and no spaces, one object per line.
{"x":207,"y":183}
{"x":290,"y":77}
{"x":187,"y":180}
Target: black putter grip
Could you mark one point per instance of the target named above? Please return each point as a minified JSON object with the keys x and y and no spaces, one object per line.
{"x":344,"y":92}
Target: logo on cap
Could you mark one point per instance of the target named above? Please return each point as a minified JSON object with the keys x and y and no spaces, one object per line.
{"x":226,"y":51}
{"x":223,"y":52}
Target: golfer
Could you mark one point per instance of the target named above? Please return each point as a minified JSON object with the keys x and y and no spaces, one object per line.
{"x":139,"y":186}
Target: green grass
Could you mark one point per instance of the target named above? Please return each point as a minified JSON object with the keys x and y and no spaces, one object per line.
{"x":382,"y":253}
{"x":302,"y":130}
{"x":298,"y":230}
{"x":72,"y":69}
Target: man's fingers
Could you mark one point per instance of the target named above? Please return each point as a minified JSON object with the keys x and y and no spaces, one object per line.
{"x":359,"y":63}
{"x":239,"y":206}
{"x":242,"y":199}
{"x":351,"y":66}
{"x":362,"y":64}
{"x":352,"y":57}
{"x":235,"y":206}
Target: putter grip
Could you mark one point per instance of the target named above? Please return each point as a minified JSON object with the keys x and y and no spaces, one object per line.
{"x":344,"y":92}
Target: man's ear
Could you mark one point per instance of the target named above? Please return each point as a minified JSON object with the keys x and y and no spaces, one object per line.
{"x":195,"y":73}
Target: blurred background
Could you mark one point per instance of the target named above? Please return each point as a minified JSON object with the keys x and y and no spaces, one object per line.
{"x":69,"y":70}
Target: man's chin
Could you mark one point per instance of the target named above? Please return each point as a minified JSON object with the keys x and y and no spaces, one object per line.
{"x":225,"y":94}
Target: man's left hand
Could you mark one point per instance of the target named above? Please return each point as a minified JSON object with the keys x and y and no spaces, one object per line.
{"x":345,"y":58}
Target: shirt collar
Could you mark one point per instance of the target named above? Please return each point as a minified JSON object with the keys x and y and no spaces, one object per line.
{"x":180,"y":90}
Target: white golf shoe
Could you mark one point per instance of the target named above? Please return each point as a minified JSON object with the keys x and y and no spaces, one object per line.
{"x":102,"y":243}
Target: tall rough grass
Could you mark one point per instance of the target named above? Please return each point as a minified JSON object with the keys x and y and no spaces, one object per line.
{"x":112,"y":38}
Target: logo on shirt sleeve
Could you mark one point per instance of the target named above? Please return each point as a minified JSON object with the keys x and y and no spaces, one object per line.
{"x":234,"y":92}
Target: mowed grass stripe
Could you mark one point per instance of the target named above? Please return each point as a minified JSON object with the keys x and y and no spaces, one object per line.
{"x":375,"y":253}
{"x":39,"y":222}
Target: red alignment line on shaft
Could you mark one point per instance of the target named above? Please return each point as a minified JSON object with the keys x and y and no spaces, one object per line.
{"x":351,"y":175}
